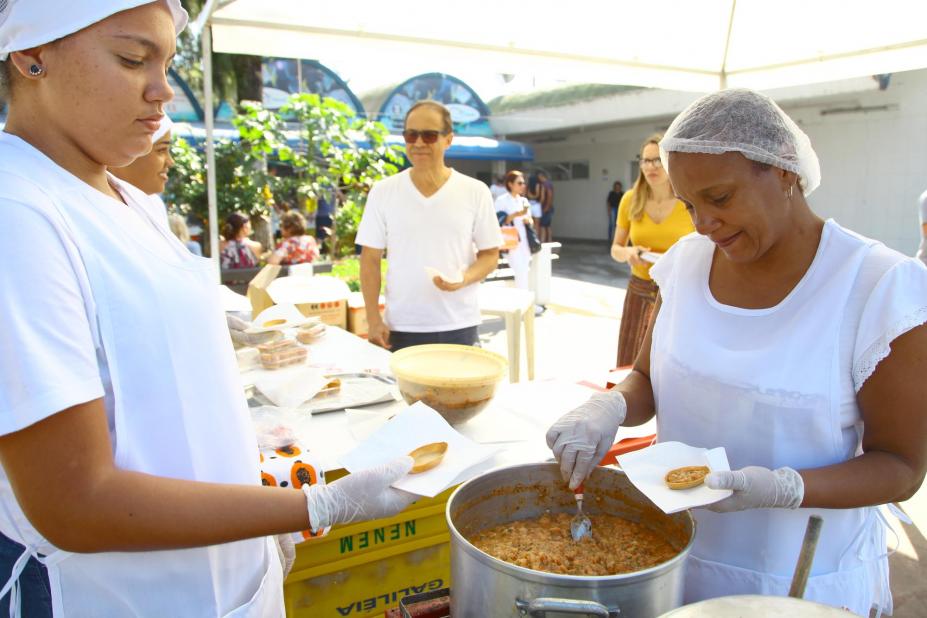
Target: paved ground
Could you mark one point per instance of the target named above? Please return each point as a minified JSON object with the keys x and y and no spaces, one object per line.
{"x":577,"y":337}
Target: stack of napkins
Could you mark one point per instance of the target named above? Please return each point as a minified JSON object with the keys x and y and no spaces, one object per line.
{"x":647,"y":468}
{"x":417,"y":426}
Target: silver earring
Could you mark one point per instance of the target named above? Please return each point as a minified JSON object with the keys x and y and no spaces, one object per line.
{"x":35,"y":70}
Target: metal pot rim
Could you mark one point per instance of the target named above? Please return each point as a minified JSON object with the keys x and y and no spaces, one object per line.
{"x":544,"y":576}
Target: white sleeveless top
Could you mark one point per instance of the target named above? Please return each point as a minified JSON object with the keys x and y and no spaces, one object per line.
{"x":777,"y":387}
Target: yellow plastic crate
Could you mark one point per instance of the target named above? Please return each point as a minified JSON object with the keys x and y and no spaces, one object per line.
{"x":364,"y":569}
{"x":370,"y":583}
{"x":423,"y":519}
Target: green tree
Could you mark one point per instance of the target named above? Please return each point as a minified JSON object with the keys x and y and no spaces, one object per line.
{"x":332,"y":154}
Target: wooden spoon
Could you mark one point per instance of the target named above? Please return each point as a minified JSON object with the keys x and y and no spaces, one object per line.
{"x":428,"y":456}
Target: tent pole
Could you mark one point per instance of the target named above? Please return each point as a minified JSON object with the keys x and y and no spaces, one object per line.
{"x":210,"y":149}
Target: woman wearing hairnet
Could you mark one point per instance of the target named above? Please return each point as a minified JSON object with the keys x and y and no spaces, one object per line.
{"x":795,"y":344}
{"x":130,"y":483}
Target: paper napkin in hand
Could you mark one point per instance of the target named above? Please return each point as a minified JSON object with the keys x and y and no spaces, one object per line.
{"x":647,"y":468}
{"x":416,"y":426}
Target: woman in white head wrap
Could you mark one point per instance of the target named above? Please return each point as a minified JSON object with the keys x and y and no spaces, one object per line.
{"x":149,"y":172}
{"x":130,"y":483}
{"x":795,"y":344}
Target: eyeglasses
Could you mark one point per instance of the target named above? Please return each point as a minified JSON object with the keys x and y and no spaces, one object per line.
{"x":428,"y":137}
{"x":654,"y":162}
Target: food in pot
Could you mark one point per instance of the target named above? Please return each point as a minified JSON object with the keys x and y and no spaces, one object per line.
{"x":687,"y":477}
{"x":427,"y":457}
{"x":544,"y":543}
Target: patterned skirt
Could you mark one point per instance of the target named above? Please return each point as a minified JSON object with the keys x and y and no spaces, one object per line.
{"x":639,"y":302}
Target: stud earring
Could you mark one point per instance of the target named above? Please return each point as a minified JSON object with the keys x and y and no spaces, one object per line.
{"x":35,"y":70}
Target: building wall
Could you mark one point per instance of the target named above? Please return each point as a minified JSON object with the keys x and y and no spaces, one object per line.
{"x":873,"y":160}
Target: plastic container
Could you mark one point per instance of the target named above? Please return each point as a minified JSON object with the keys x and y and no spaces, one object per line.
{"x":458,"y":381}
{"x":282,"y":354}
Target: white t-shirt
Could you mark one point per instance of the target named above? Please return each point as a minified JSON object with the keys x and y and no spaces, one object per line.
{"x":443,"y":231}
{"x":887,"y":298}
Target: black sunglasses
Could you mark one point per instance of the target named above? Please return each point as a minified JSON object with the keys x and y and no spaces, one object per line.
{"x":428,"y":137}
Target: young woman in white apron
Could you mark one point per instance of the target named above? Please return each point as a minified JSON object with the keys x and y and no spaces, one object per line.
{"x":791,"y":342}
{"x":130,"y":481}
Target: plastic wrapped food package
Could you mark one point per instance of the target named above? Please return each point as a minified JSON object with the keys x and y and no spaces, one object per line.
{"x":307,"y":333}
{"x":282,"y":354}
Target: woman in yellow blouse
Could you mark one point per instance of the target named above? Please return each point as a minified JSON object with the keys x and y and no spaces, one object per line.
{"x":653,"y":219}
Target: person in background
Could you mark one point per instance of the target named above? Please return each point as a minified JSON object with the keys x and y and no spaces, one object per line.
{"x":323,"y":216}
{"x":178,"y":226}
{"x":237,"y":250}
{"x":793,"y":343}
{"x":130,"y":479}
{"x":498,"y":187}
{"x":532,"y":193}
{"x":546,"y":197}
{"x":611,"y":208}
{"x":652,"y":219}
{"x":149,"y":172}
{"x":922,"y":216}
{"x":427,"y":217}
{"x":297,"y":247}
{"x":517,"y":212}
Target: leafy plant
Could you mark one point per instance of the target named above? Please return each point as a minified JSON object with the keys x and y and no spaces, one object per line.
{"x":332,"y":153}
{"x":348,"y":270}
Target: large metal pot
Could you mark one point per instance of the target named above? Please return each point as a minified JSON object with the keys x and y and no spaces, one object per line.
{"x":485,"y":586}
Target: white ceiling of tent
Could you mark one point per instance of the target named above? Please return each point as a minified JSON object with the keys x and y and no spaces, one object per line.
{"x":697,"y":45}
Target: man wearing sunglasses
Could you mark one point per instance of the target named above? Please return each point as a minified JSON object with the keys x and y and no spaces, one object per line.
{"x":427,"y":219}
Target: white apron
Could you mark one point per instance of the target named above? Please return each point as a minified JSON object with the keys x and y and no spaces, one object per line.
{"x":768,"y":391}
{"x":177,"y":409}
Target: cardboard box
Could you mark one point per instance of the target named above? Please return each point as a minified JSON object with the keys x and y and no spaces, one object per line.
{"x":322,"y":296}
{"x":357,"y":314}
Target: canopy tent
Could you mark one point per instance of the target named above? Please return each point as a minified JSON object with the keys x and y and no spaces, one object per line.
{"x":673,"y":44}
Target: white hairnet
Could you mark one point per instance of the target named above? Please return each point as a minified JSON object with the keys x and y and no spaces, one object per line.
{"x":744,"y":121}
{"x":29,"y":23}
{"x":166,"y":124}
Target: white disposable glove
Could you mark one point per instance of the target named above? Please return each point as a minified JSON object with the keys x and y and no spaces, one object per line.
{"x":240,"y":338}
{"x":286,"y":551}
{"x":581,"y":438}
{"x":757,"y":488}
{"x":360,"y":496}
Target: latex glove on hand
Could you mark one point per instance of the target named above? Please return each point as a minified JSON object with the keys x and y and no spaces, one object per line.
{"x":757,"y":488}
{"x":240,"y":338}
{"x":286,"y":551}
{"x":360,"y":496}
{"x":581,"y":438}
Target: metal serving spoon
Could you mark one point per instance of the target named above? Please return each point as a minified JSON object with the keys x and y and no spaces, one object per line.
{"x":580,"y":525}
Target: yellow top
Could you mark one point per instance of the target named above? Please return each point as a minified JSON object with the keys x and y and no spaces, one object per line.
{"x":648,"y":233}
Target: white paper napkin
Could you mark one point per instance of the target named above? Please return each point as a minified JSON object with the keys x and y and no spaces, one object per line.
{"x":434,"y":272}
{"x":290,"y":386}
{"x":647,"y":468}
{"x":416,"y":426}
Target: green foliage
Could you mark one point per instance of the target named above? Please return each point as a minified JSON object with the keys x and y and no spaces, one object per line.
{"x":347,"y":219}
{"x":336,"y":155}
{"x":348,"y":270}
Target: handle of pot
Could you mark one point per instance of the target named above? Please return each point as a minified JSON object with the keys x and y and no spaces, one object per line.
{"x":542,"y":605}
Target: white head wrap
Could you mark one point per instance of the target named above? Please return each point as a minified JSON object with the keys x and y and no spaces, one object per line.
{"x":29,"y":23}
{"x":166,"y":124}
{"x":744,"y":121}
